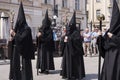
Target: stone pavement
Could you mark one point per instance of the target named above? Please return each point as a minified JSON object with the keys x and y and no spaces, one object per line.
{"x":91,"y":68}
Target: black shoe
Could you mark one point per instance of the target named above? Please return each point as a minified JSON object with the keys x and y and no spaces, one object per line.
{"x":63,"y":77}
{"x":72,"y":78}
{"x":42,"y":71}
{"x":46,"y":72}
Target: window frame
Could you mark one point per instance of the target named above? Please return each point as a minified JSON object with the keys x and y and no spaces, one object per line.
{"x":77,"y":4}
{"x":64,"y":3}
{"x":98,"y":11}
{"x":97,"y":0}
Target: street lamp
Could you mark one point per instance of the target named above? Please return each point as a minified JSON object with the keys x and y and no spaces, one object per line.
{"x":54,"y":21}
{"x":55,"y":12}
{"x":101,"y":17}
{"x":54,"y":17}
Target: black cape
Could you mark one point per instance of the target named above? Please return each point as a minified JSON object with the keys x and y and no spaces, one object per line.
{"x":22,"y":50}
{"x":111,"y":48}
{"x":72,"y":63}
{"x":46,"y":46}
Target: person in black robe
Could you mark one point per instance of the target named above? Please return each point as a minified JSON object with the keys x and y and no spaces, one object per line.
{"x":110,"y":47}
{"x":23,"y":50}
{"x":72,"y":50}
{"x":46,"y":46}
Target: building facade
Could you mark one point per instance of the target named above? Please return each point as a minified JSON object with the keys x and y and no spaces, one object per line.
{"x":96,"y":7}
{"x":35,"y":11}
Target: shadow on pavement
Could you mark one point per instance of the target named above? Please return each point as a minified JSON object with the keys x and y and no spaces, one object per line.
{"x":91,"y":77}
{"x":55,"y":72}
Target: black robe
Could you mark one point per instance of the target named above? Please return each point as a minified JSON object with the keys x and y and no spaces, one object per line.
{"x":111,"y":65}
{"x":110,"y":47}
{"x":46,"y":48}
{"x":23,"y":52}
{"x":10,"y":53}
{"x":72,"y":63}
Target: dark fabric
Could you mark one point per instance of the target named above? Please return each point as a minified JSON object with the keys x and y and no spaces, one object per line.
{"x":46,"y":46}
{"x":23,"y":37}
{"x":21,"y":21}
{"x":16,"y":72}
{"x":16,"y":64}
{"x":47,"y":40}
{"x":100,"y":43}
{"x":45,"y":55}
{"x":72,"y":51}
{"x":27,"y":69}
{"x":2,"y":54}
{"x":46,"y":60}
{"x":62,"y":45}
{"x":10,"y":49}
{"x":10,"y":53}
{"x":72,"y":24}
{"x":46,"y":23}
{"x":25,"y":43}
{"x":114,"y":25}
{"x":22,"y":68}
{"x":73,"y":63}
{"x":22,"y":49}
{"x":111,"y":66}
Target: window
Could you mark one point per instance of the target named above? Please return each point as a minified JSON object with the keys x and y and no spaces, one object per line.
{"x":97,"y":0}
{"x":87,"y":14}
{"x":64,"y":3}
{"x":77,"y":4}
{"x":29,"y":0}
{"x":47,"y":1}
{"x":97,"y":12}
{"x":87,"y":1}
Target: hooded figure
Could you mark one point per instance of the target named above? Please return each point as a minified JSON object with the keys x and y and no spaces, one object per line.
{"x":72,"y":50}
{"x":111,"y":47}
{"x":46,"y":46}
{"x":23,"y":51}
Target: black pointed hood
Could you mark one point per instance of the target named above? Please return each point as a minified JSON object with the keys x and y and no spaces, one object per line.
{"x":114,"y":26}
{"x":46,"y":21}
{"x":115,"y":21}
{"x":21,"y":20}
{"x":72,"y":23}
